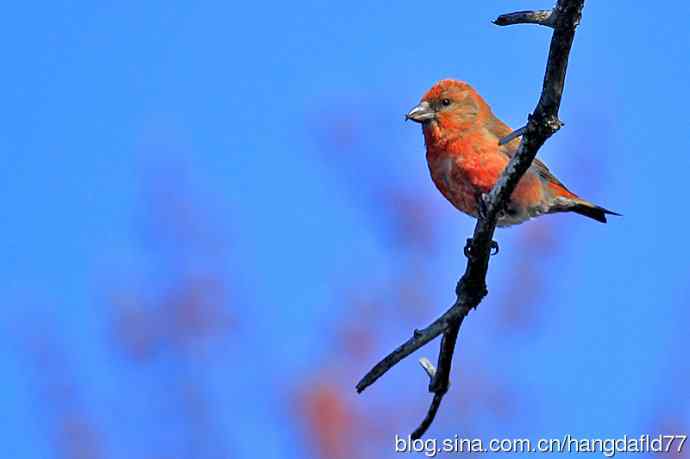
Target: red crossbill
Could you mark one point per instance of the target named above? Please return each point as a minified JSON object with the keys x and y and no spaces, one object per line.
{"x":465,"y":159}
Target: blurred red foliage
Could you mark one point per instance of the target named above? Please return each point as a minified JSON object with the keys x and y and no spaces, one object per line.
{"x":69,"y":424}
{"x":183,"y":308}
{"x":330,"y":419}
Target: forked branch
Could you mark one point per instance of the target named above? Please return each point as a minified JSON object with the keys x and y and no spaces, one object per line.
{"x":471,"y":287}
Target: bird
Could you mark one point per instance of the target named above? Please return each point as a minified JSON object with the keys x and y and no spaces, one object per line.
{"x":465,"y":159}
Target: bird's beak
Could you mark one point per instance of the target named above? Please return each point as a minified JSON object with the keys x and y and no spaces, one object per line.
{"x":421,"y":113}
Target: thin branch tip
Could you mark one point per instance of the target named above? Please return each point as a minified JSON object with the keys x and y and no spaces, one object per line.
{"x":513,"y":135}
{"x":428,"y":367}
{"x":546,"y":18}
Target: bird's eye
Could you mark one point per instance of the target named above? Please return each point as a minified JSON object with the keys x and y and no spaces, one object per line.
{"x":445,"y":102}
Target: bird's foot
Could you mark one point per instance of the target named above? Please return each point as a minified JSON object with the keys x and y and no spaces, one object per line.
{"x":494,"y":248}
{"x":468,"y":248}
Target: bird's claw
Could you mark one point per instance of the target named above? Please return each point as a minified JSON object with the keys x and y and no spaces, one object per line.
{"x":494,"y":248}
{"x":468,"y":248}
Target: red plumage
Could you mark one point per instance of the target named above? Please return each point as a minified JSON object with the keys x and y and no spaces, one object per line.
{"x":465,"y":159}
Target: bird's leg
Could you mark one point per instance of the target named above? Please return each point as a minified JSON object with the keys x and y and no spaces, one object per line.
{"x":482,"y":211}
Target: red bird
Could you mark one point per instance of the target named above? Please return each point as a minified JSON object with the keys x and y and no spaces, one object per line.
{"x":465,"y":160}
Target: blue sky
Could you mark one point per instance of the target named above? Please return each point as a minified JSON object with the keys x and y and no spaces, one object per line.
{"x":243,"y":100}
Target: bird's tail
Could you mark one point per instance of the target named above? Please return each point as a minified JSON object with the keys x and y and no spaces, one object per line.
{"x":586,"y":208}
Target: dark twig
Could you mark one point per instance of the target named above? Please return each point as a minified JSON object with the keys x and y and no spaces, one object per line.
{"x":513,"y":135}
{"x":441,"y":379}
{"x":419,"y":338}
{"x":471,"y":287}
{"x":541,"y":17}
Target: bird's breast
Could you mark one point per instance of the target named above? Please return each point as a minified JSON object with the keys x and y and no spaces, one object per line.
{"x":450,"y":179}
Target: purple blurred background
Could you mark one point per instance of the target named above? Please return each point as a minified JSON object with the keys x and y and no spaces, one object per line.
{"x":216,"y":222}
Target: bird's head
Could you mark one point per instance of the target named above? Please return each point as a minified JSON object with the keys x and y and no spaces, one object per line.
{"x":450,"y":105}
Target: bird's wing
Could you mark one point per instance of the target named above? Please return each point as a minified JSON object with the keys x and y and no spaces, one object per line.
{"x":499,"y":129}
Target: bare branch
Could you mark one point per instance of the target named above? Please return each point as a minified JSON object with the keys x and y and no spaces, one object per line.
{"x":513,"y":135}
{"x":419,"y":338}
{"x":441,"y":380}
{"x":541,"y":17}
{"x":518,"y":133}
{"x":428,"y":367}
{"x":471,"y":288}
{"x":544,"y":122}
